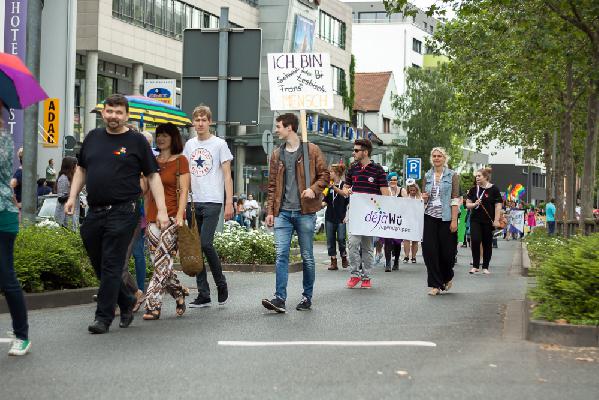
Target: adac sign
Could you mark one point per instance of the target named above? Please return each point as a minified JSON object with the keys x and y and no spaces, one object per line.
{"x":51,"y":120}
{"x":311,"y":3}
{"x":159,"y":94}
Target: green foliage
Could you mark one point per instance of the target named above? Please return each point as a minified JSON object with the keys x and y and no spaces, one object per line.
{"x":567,"y":274}
{"x":236,"y":245}
{"x":349,"y":97}
{"x":49,"y":258}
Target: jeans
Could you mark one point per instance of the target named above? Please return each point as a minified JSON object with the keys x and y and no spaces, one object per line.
{"x":438,"y":251}
{"x":207,"y":216}
{"x":139,"y":256}
{"x":551,"y":227}
{"x":11,"y":287}
{"x":285,"y":223}
{"x":361,"y":253}
{"x":335,"y":235}
{"x":106,"y":235}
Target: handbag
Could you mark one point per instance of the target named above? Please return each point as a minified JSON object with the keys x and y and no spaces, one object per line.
{"x":188,"y":241}
{"x":502,"y":220}
{"x":63,"y":199}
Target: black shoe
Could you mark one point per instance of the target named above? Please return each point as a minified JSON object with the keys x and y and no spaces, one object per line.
{"x":275,"y":304}
{"x":395,"y":266}
{"x":223,"y":294}
{"x":98,"y":327}
{"x":95,"y":298}
{"x":200,"y":302}
{"x":304,"y":305}
{"x":387,"y":268}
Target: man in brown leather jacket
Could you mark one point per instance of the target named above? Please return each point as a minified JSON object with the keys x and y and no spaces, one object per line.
{"x":292,"y":207}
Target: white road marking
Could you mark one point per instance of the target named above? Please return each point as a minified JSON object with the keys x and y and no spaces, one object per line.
{"x":6,"y":340}
{"x":414,"y":343}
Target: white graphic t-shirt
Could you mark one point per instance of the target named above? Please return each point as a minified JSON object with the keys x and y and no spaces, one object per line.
{"x":205,"y":166}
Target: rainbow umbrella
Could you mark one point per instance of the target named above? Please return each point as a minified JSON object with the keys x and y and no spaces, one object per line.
{"x":145,"y":109}
{"x":18,"y":87}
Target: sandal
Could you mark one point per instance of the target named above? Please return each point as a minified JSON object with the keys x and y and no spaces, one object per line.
{"x":434,"y":292}
{"x":139,"y":299}
{"x":413,"y":261}
{"x":152,"y":315}
{"x":181,"y":307}
{"x":473,"y":270}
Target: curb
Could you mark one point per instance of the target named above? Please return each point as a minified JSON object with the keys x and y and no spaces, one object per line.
{"x":267,"y":268}
{"x":55,"y":298}
{"x":539,"y":331}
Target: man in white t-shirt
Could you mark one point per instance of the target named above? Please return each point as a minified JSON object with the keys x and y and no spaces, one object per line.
{"x":252,"y":207}
{"x":211,"y":184}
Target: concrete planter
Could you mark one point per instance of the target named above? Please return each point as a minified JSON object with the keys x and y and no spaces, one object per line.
{"x":54,"y":298}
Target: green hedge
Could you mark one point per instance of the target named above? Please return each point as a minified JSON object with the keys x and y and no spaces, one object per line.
{"x":567,"y":273}
{"x":49,"y":258}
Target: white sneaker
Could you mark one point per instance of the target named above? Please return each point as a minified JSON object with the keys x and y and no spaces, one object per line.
{"x":19,"y":347}
{"x":10,"y":334}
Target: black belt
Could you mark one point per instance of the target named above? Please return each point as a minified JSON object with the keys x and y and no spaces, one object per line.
{"x":118,"y":206}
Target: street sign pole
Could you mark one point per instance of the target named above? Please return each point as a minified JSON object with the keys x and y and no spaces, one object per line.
{"x":304,"y":128}
{"x":223,"y":60}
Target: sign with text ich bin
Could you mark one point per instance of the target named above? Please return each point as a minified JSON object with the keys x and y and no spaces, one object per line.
{"x":300,"y":81}
{"x":51,"y":122}
{"x":162,"y":90}
{"x":413,"y":168}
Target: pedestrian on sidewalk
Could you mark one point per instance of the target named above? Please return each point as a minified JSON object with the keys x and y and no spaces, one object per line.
{"x":211,"y":184}
{"x":440,"y":192}
{"x":410,"y":248}
{"x":292,"y":207}
{"x":393,"y":246}
{"x":110,"y":164}
{"x":334,"y":217}
{"x":63,"y":189}
{"x":174,"y":174}
{"x":485,"y":203}
{"x":550,"y":216}
{"x":364,"y":176}
{"x":9,"y":227}
{"x":252,"y":208}
{"x":50,"y":174}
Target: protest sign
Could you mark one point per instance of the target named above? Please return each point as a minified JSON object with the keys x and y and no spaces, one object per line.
{"x":517,"y":220}
{"x":300,"y":81}
{"x":386,"y":216}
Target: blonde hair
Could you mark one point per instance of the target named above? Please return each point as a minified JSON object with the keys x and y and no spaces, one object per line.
{"x":418,"y":194}
{"x":202,"y":111}
{"x":443,"y":152}
{"x":486,"y":172}
{"x":148,"y":137}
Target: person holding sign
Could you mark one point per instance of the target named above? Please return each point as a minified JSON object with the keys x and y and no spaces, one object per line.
{"x":442,"y":198}
{"x":364,"y":176}
{"x":292,"y":206}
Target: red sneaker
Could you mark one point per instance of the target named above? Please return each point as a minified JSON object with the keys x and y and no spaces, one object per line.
{"x":366,"y":284}
{"x":353,"y":281}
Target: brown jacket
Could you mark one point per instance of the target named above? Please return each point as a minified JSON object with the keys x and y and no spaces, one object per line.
{"x":319,"y":175}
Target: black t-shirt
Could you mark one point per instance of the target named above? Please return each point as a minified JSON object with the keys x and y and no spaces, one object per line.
{"x":489,"y":197}
{"x":113,"y":165}
{"x":19,"y":187}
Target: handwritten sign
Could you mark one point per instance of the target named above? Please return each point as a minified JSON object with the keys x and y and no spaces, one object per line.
{"x":386,"y":217}
{"x":300,"y":81}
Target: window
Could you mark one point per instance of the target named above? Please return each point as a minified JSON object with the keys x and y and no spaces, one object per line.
{"x":338,"y":79}
{"x":425,"y":26}
{"x":386,"y":125}
{"x":373,"y":17}
{"x":417,"y":46}
{"x":331,"y":30}
{"x":360,"y":120}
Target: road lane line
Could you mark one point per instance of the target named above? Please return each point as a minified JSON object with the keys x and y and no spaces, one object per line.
{"x":6,"y":340}
{"x":413,"y":343}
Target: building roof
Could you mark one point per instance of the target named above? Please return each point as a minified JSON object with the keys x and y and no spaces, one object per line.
{"x":370,"y":89}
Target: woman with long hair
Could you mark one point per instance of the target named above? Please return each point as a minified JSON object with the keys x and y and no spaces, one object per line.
{"x":393,"y":246}
{"x":411,"y":247}
{"x":484,"y":202}
{"x":174,"y":173}
{"x":63,"y":188}
{"x":335,"y":217}
{"x":442,"y":197}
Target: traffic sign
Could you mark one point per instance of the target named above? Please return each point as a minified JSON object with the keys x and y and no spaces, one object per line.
{"x":413,"y":168}
{"x":267,"y":142}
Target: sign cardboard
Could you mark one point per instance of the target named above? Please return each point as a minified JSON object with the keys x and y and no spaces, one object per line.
{"x":300,"y":81}
{"x":51,"y":122}
{"x":163,"y":90}
{"x":386,"y":216}
{"x":517,"y":220}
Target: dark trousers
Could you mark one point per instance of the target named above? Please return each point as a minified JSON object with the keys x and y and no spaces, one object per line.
{"x":392,"y":247}
{"x":11,"y":287}
{"x":207,"y":215}
{"x":550,"y":227}
{"x":481,"y":232}
{"x":438,"y":251}
{"x":106,"y":235}
{"x":128,"y":279}
{"x":336,"y":235}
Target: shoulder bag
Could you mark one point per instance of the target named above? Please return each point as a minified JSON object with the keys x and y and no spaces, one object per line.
{"x":502,"y":219}
{"x":188,"y":240}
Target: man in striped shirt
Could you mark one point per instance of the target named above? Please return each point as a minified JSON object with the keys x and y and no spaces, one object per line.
{"x":364,"y":176}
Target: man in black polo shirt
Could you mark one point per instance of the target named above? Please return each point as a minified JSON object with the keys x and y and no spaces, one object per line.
{"x":364,"y":176}
{"x":111,"y":162}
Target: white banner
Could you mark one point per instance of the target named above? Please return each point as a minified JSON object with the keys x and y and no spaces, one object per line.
{"x":300,"y":81}
{"x":517,"y":219}
{"x":386,"y":217}
{"x":163,"y":90}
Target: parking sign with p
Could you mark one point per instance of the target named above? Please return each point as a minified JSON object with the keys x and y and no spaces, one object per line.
{"x":413,"y":168}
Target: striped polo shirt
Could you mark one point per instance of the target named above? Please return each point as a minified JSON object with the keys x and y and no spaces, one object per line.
{"x":369,"y":179}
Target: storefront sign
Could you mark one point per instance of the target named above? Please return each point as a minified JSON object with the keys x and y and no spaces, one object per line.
{"x":51,"y":122}
{"x":386,"y":217}
{"x":300,"y":81}
{"x":163,"y":90}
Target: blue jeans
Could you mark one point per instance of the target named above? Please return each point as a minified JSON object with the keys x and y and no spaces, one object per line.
{"x":335,"y":235}
{"x":551,"y":227}
{"x":285,"y":224}
{"x":11,"y":287}
{"x":139,"y":256}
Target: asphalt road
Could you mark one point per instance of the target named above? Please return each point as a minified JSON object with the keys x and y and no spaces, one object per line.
{"x":479,"y":353}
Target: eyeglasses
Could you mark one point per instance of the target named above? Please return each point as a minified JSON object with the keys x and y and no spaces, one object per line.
{"x":358,"y":150}
{"x":393,"y":180}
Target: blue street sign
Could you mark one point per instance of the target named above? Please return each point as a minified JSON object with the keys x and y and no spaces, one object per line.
{"x":413,"y":168}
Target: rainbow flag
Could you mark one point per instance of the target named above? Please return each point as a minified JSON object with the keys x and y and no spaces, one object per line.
{"x":518,"y":192}
{"x":508,"y":193}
